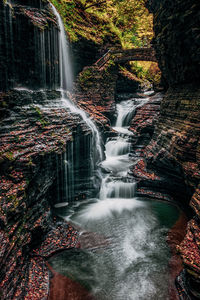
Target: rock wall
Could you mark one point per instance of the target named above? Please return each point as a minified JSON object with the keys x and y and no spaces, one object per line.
{"x":170,"y":165}
{"x":36,"y":139}
{"x":95,"y":93}
{"x":176,"y":27}
{"x":27,"y":30}
{"x":35,"y":135}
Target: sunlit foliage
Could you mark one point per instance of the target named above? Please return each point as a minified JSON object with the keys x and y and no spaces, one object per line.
{"x":114,"y":23}
{"x":125,"y":23}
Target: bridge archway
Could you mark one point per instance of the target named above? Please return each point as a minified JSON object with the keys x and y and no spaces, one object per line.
{"x":123,"y":56}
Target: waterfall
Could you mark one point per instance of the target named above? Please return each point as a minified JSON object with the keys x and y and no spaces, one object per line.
{"x":117,"y":147}
{"x":126,"y":111}
{"x":66,"y":78}
{"x":127,"y":257}
{"x":94,"y":145}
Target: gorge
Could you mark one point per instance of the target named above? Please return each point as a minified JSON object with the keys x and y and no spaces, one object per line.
{"x":98,"y":218}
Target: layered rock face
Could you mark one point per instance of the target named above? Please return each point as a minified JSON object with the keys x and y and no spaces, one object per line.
{"x":34,"y":140}
{"x":95,"y":92}
{"x":176,"y":27}
{"x":28,"y":31}
{"x":171,"y":161}
{"x":36,"y":150}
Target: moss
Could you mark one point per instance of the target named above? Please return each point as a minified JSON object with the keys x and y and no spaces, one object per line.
{"x":39,"y":116}
{"x":9,"y":156}
{"x":30,"y":162}
{"x":117,"y":21}
{"x":86,"y":78}
{"x":37,"y":110}
{"x":44,"y":122}
{"x":4,"y":104}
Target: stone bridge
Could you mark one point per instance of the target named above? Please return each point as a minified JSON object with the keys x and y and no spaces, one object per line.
{"x":122,"y":56}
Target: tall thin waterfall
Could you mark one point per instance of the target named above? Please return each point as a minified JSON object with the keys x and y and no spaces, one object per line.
{"x":66,"y":85}
{"x":66,"y":78}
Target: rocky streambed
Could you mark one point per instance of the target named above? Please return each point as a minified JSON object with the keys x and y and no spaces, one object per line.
{"x":126,"y":250}
{"x":49,"y":163}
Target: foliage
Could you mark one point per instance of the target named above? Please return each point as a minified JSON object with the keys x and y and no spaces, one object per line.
{"x":86,"y":78}
{"x":126,"y":23}
{"x":115,"y":23}
{"x":9,"y":156}
{"x":147,"y":70}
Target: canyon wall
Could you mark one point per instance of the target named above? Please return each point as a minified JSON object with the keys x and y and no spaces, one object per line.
{"x":37,"y":135}
{"x":28,"y":32}
{"x":171,"y":161}
{"x":36,"y":150}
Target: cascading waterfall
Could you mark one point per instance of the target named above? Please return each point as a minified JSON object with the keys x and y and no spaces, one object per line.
{"x":134,"y":264}
{"x":126,"y":110}
{"x":117,"y":184}
{"x":117,"y":147}
{"x":66,"y":85}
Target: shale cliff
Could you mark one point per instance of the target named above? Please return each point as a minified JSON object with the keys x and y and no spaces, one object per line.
{"x":28,"y":30}
{"x":171,"y":161}
{"x":36,"y":150}
{"x":37,"y":133}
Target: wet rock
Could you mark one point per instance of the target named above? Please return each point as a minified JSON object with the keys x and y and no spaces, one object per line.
{"x":95,"y":93}
{"x":170,"y":167}
{"x":25,"y":58}
{"x":127,"y":83}
{"x":143,"y":123}
{"x":34,"y":139}
{"x":177,"y":39}
{"x":85,"y":53}
{"x":174,"y":148}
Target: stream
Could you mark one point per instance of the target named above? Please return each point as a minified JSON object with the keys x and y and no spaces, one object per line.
{"x":128,"y":257}
{"x":123,"y":254}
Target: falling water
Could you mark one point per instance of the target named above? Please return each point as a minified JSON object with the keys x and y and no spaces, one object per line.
{"x":134,"y":264}
{"x":66,"y":84}
{"x":72,"y":167}
{"x":126,"y":110}
{"x":117,"y":147}
{"x":66,"y":79}
{"x":43,"y":57}
{"x":127,"y":268}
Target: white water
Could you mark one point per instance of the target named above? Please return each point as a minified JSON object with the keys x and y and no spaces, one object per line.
{"x":126,"y":110}
{"x":62,"y":204}
{"x":106,"y":207}
{"x":66,"y":83}
{"x":133,"y":265}
{"x":117,"y":147}
{"x":68,"y":180}
{"x":66,"y":78}
{"x":116,"y":185}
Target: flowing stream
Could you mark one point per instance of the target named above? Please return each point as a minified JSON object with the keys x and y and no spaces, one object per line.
{"x":125,"y":255}
{"x":128,"y":256}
